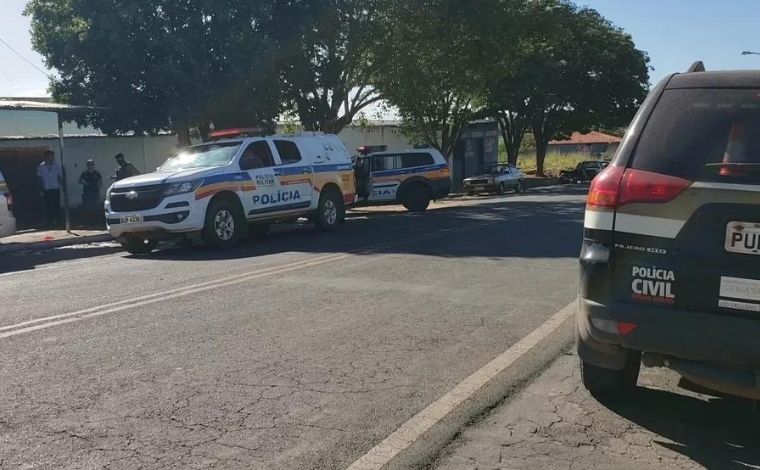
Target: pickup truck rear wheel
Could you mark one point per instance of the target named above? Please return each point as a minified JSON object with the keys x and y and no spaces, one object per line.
{"x":224,"y":224}
{"x":330,"y":210}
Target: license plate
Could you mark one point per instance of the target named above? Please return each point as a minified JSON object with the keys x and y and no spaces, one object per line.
{"x":743,"y":237}
{"x":131,"y":219}
{"x":479,"y":188}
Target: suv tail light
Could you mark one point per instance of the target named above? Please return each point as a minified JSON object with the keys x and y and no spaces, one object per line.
{"x":617,"y":186}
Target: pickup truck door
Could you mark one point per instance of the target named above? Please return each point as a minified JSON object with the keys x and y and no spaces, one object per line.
{"x":258,"y":161}
{"x":295,"y":177}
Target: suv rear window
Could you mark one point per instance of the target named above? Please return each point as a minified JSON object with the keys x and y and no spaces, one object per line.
{"x":412,"y":160}
{"x":703,"y":135}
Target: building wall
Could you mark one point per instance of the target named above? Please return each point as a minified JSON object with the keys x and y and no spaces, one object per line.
{"x":146,"y":153}
{"x":373,"y":134}
{"x":478,"y":145}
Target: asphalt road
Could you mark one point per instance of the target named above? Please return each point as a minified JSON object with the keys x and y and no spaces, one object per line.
{"x":299,"y":350}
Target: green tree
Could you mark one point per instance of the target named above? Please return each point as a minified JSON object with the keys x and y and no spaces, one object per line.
{"x":326,"y":65}
{"x":161,"y":65}
{"x":564,"y":69}
{"x":427,"y":65}
{"x":585,"y":73}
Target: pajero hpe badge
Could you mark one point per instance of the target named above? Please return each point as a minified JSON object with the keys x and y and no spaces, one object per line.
{"x":670,"y":274}
{"x":222,"y":188}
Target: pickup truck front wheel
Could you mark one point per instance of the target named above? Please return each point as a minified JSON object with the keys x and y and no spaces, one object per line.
{"x":224,"y":224}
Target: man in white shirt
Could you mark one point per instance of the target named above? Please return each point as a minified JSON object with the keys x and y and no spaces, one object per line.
{"x":50,"y":178}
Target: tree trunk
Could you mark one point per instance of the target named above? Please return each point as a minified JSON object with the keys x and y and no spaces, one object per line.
{"x":183,"y":133}
{"x":512,"y":126}
{"x":542,"y":145}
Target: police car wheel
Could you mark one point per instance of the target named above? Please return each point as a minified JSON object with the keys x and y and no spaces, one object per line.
{"x":138,"y":246}
{"x":417,"y":198}
{"x":223,"y":225}
{"x":329,"y":211}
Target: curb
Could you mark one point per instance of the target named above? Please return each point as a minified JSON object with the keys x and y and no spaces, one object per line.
{"x":418,"y":442}
{"x":46,"y":245}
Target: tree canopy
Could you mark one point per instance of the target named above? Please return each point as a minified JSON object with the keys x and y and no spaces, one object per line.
{"x":544,"y":66}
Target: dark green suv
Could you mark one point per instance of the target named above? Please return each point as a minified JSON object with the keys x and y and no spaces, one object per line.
{"x":670,"y":264}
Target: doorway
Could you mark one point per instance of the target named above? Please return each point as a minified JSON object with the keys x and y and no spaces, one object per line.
{"x":19,"y":166}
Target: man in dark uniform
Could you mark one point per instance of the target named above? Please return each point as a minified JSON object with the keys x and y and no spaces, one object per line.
{"x":91,"y":181}
{"x":126,"y":169}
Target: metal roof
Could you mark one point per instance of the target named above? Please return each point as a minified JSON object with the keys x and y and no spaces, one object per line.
{"x":22,"y":105}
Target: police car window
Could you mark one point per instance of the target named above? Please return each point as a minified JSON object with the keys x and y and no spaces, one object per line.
{"x":257,"y":155}
{"x":202,"y":156}
{"x":384,"y":162}
{"x":412,"y":160}
{"x":288,"y":151}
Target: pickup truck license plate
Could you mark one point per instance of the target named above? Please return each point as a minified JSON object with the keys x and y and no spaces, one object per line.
{"x":743,"y":237}
{"x":131,"y":219}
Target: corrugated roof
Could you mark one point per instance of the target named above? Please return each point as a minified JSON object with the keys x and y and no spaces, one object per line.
{"x":22,"y":105}
{"x":592,"y":137}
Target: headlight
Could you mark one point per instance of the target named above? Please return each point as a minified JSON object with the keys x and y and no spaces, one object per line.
{"x":182,"y":188}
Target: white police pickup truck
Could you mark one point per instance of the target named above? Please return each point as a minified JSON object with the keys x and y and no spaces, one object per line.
{"x":218,"y":189}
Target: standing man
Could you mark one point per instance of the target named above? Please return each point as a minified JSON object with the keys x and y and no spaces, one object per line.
{"x":50,"y":179}
{"x":91,"y":181}
{"x":126,"y":169}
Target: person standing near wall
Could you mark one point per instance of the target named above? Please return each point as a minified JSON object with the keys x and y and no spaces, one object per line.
{"x":126,"y":169}
{"x":50,"y":179}
{"x":91,"y":181}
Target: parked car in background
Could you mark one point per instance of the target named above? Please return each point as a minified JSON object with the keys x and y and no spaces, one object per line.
{"x":7,"y":220}
{"x":669,"y":263}
{"x":584,"y":172}
{"x":495,"y":178}
{"x":412,"y":178}
{"x":218,"y":189}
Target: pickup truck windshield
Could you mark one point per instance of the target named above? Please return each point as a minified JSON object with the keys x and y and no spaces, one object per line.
{"x":202,"y":156}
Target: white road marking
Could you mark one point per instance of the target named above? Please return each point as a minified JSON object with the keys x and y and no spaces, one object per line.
{"x":409,"y":432}
{"x":61,"y":319}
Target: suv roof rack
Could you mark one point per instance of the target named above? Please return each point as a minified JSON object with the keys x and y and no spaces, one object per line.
{"x":697,"y":66}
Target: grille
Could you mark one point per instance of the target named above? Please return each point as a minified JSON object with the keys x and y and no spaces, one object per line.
{"x":148,"y":197}
{"x":478,"y":181}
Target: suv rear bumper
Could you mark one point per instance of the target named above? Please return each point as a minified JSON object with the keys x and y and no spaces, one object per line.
{"x":701,"y":337}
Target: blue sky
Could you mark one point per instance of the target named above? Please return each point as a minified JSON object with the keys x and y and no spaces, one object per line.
{"x":673,"y":32}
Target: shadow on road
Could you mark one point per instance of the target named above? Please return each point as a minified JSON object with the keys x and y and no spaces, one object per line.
{"x":512,"y":226}
{"x":719,"y":433}
{"x":29,"y":260}
{"x":522,"y":229}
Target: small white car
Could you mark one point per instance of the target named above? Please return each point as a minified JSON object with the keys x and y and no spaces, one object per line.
{"x":7,"y":220}
{"x":496,"y":178}
{"x":218,"y":189}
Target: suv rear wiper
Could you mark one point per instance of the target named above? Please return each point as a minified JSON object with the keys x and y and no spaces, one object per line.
{"x":733,"y":165}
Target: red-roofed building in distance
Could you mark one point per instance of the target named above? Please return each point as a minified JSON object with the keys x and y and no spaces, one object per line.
{"x":592,"y":144}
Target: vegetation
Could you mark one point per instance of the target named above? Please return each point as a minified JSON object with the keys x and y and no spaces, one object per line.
{"x":168,"y":64}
